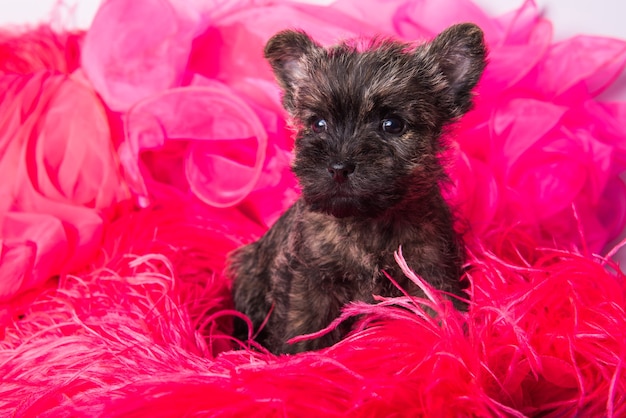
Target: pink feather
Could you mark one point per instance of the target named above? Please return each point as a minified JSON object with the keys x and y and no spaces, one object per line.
{"x":134,"y":160}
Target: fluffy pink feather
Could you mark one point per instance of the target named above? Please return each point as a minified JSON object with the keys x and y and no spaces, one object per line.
{"x":134,"y":160}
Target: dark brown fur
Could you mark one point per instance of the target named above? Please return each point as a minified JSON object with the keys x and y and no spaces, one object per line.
{"x":370,"y":176}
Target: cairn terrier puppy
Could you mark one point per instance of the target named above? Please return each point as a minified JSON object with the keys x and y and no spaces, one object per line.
{"x":369,"y":123}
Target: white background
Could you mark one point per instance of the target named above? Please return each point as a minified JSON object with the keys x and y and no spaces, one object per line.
{"x":604,"y":17}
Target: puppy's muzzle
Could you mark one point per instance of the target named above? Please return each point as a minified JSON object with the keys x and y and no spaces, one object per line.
{"x":340,"y":171}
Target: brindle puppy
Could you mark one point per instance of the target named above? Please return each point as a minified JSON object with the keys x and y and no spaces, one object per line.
{"x":369,"y":124}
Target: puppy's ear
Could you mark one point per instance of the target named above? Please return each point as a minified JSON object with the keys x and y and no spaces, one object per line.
{"x":286,"y":52}
{"x":461,"y":55}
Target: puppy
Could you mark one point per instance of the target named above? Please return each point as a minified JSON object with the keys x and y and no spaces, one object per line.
{"x":369,"y":124}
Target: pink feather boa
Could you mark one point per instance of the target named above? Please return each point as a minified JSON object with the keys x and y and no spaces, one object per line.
{"x":135,"y":156}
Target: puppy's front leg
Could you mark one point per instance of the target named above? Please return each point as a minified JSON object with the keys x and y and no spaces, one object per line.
{"x":250,"y":290}
{"x":253,"y":268}
{"x":314,"y":302}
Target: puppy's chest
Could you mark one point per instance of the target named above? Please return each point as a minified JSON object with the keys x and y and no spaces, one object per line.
{"x":336,"y":253}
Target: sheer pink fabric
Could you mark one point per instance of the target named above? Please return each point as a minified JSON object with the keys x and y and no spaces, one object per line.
{"x":60,"y":174}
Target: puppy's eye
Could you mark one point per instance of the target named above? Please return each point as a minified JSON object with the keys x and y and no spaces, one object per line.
{"x":319,"y":125}
{"x":393,"y":126}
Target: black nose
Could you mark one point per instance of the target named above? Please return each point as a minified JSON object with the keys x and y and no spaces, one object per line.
{"x":341,"y":171}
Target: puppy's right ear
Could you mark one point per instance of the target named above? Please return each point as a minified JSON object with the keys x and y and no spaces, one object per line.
{"x":286,"y":52}
{"x":461,"y":54}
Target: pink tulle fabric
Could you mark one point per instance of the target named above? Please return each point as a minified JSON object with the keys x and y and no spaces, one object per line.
{"x":134,"y":156}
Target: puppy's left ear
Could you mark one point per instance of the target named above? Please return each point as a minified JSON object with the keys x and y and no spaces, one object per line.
{"x":461,"y":55}
{"x":286,"y":52}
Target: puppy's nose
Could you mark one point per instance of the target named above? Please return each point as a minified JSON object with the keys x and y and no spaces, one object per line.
{"x":341,"y":171}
